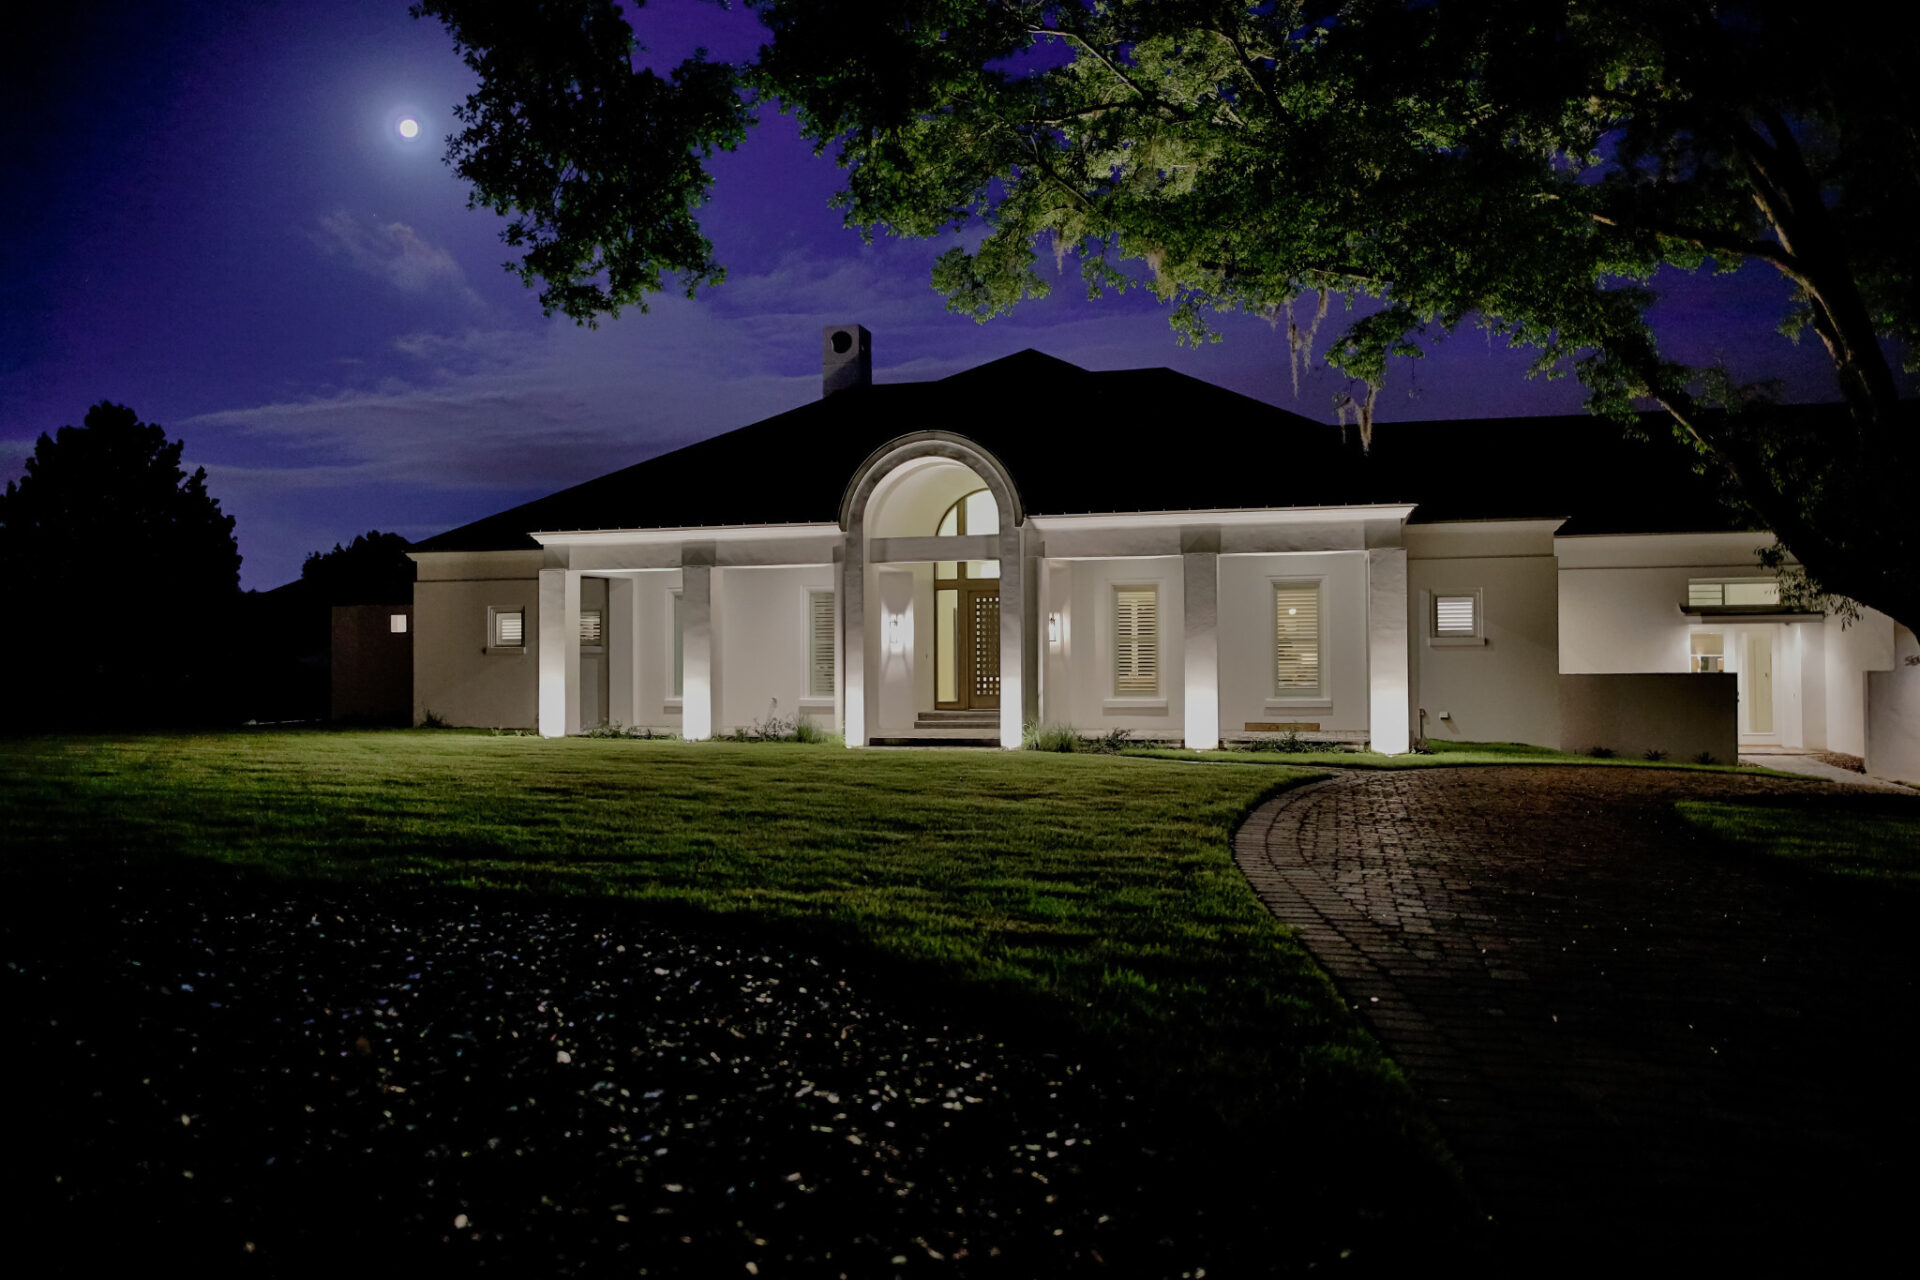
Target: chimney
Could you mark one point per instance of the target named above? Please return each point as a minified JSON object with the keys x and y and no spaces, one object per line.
{"x":846,"y":358}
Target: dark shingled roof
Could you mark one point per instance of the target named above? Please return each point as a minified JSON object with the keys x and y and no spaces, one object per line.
{"x":1077,"y":441}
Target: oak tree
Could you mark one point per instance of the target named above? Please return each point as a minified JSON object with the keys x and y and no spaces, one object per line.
{"x":1523,"y":165}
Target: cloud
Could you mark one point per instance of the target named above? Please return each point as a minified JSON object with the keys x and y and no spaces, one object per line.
{"x":393,"y":252}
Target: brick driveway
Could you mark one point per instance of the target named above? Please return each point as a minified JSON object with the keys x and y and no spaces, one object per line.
{"x":1641,"y":1049}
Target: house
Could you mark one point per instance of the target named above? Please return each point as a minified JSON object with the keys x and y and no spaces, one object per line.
{"x":1139,"y":550}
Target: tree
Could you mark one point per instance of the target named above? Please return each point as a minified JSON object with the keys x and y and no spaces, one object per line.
{"x":1524,"y":165}
{"x":124,"y":574}
{"x":373,"y":569}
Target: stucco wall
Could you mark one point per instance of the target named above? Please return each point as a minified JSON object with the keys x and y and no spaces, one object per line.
{"x":1850,"y":653}
{"x":372,"y":664}
{"x":1246,"y":642}
{"x":1893,"y":713}
{"x":1682,"y":715}
{"x":1507,"y":689}
{"x":455,"y":675}
{"x":765,"y":645}
{"x":1084,"y":671}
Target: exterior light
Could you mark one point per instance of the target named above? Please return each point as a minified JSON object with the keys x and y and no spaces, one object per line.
{"x":893,"y":631}
{"x":1053,"y":628}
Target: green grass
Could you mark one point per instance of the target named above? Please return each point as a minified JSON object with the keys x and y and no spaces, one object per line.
{"x":1090,"y":902}
{"x":1866,"y":839}
{"x":1445,"y":754}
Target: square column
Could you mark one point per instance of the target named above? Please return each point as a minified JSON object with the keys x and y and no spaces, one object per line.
{"x":1388,"y":705}
{"x":1019,"y":652}
{"x":559,"y":653}
{"x":699,"y":683}
{"x":1200,"y":584}
{"x":857,"y":673}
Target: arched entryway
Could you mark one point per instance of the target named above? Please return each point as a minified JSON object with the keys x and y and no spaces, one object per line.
{"x":934,"y":620}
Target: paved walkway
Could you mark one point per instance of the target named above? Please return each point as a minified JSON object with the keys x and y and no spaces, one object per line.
{"x":1641,"y":1049}
{"x":1814,"y":767}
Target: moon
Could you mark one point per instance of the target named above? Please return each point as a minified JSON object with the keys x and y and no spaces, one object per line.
{"x":409,"y":127}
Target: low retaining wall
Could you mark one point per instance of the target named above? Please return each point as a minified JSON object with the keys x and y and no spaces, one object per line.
{"x":1680,"y":714}
{"x":372,"y":680}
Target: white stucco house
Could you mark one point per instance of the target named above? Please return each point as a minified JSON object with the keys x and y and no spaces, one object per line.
{"x":1031,"y":541}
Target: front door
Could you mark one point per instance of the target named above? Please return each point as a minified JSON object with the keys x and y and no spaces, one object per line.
{"x":967,"y":645}
{"x":1757,"y":677}
{"x":980,"y":652}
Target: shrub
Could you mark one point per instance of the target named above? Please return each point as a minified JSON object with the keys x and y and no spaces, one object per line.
{"x":614,"y":729}
{"x":1290,"y":743}
{"x":1035,"y":736}
{"x":1601,"y":753}
{"x":1653,"y":753}
{"x":514,"y":733}
{"x":431,"y":719}
{"x":1112,"y":742}
{"x":1705,"y":757}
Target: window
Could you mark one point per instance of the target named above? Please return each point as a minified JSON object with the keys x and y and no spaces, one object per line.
{"x":1731,"y":593}
{"x":507,"y":628}
{"x":1296,"y":640}
{"x":1709,"y":652}
{"x":974,"y":513}
{"x":592,"y":622}
{"x":397,"y":623}
{"x":819,"y":644}
{"x":679,"y":648}
{"x":1136,"y":642}
{"x":1454,"y":616}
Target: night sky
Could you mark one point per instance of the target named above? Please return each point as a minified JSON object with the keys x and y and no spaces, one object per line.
{"x":213,"y":218}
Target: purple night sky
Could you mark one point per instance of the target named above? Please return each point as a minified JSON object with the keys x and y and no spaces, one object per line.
{"x":214,"y":219}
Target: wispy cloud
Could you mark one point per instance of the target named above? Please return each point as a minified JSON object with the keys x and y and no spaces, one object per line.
{"x":394,"y":252}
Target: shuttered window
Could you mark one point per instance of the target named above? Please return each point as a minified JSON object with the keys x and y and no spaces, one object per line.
{"x":1136,"y":642}
{"x":1296,"y":639}
{"x":820,"y":644}
{"x":509,"y":628}
{"x":591,"y":624}
{"x":1454,"y":616}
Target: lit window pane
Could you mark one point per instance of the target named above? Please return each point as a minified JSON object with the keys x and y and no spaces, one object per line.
{"x":983,"y":513}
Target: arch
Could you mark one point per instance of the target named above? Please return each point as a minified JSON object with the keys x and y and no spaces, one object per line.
{"x":902,"y":450}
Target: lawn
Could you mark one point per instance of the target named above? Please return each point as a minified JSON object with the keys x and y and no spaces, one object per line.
{"x":1866,"y":839}
{"x":1443,"y":754}
{"x":1086,"y":905}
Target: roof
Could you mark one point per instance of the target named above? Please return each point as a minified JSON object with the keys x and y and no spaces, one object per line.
{"x":1080,"y":442}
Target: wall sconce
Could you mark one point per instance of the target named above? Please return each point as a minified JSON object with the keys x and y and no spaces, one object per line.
{"x":1053,"y":628}
{"x":893,"y":632}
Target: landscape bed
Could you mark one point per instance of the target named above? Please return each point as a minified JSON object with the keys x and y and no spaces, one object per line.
{"x":1078,"y":921}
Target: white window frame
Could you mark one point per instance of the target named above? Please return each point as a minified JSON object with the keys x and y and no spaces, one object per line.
{"x":496,"y":612}
{"x":1297,"y":699}
{"x":1154,"y":703}
{"x":1439,"y":639}
{"x":675,"y":651}
{"x":809,"y":699}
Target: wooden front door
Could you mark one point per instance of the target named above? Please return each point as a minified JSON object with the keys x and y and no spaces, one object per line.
{"x":980,"y":645}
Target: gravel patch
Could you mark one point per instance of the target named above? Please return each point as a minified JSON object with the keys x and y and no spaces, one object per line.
{"x":278,"y":1082}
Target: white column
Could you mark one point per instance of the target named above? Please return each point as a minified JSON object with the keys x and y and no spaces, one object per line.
{"x":1014,"y":638}
{"x":697,"y":701}
{"x":1043,"y":619}
{"x":853,"y":638}
{"x":1200,"y":585}
{"x":1387,"y":652}
{"x":559,"y":653}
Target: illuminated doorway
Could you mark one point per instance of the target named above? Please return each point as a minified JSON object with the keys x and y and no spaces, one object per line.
{"x":966,"y":612}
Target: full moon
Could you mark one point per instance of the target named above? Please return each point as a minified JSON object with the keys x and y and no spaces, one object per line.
{"x":408,"y":128}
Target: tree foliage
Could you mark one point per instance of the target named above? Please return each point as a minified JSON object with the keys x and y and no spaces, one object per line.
{"x":123,"y":573}
{"x":1523,"y":165}
{"x":372,"y":569}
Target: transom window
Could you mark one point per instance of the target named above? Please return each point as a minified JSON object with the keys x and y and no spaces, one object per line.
{"x":975,"y":512}
{"x":1718,"y":593}
{"x":1296,"y":640}
{"x":1708,"y":652}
